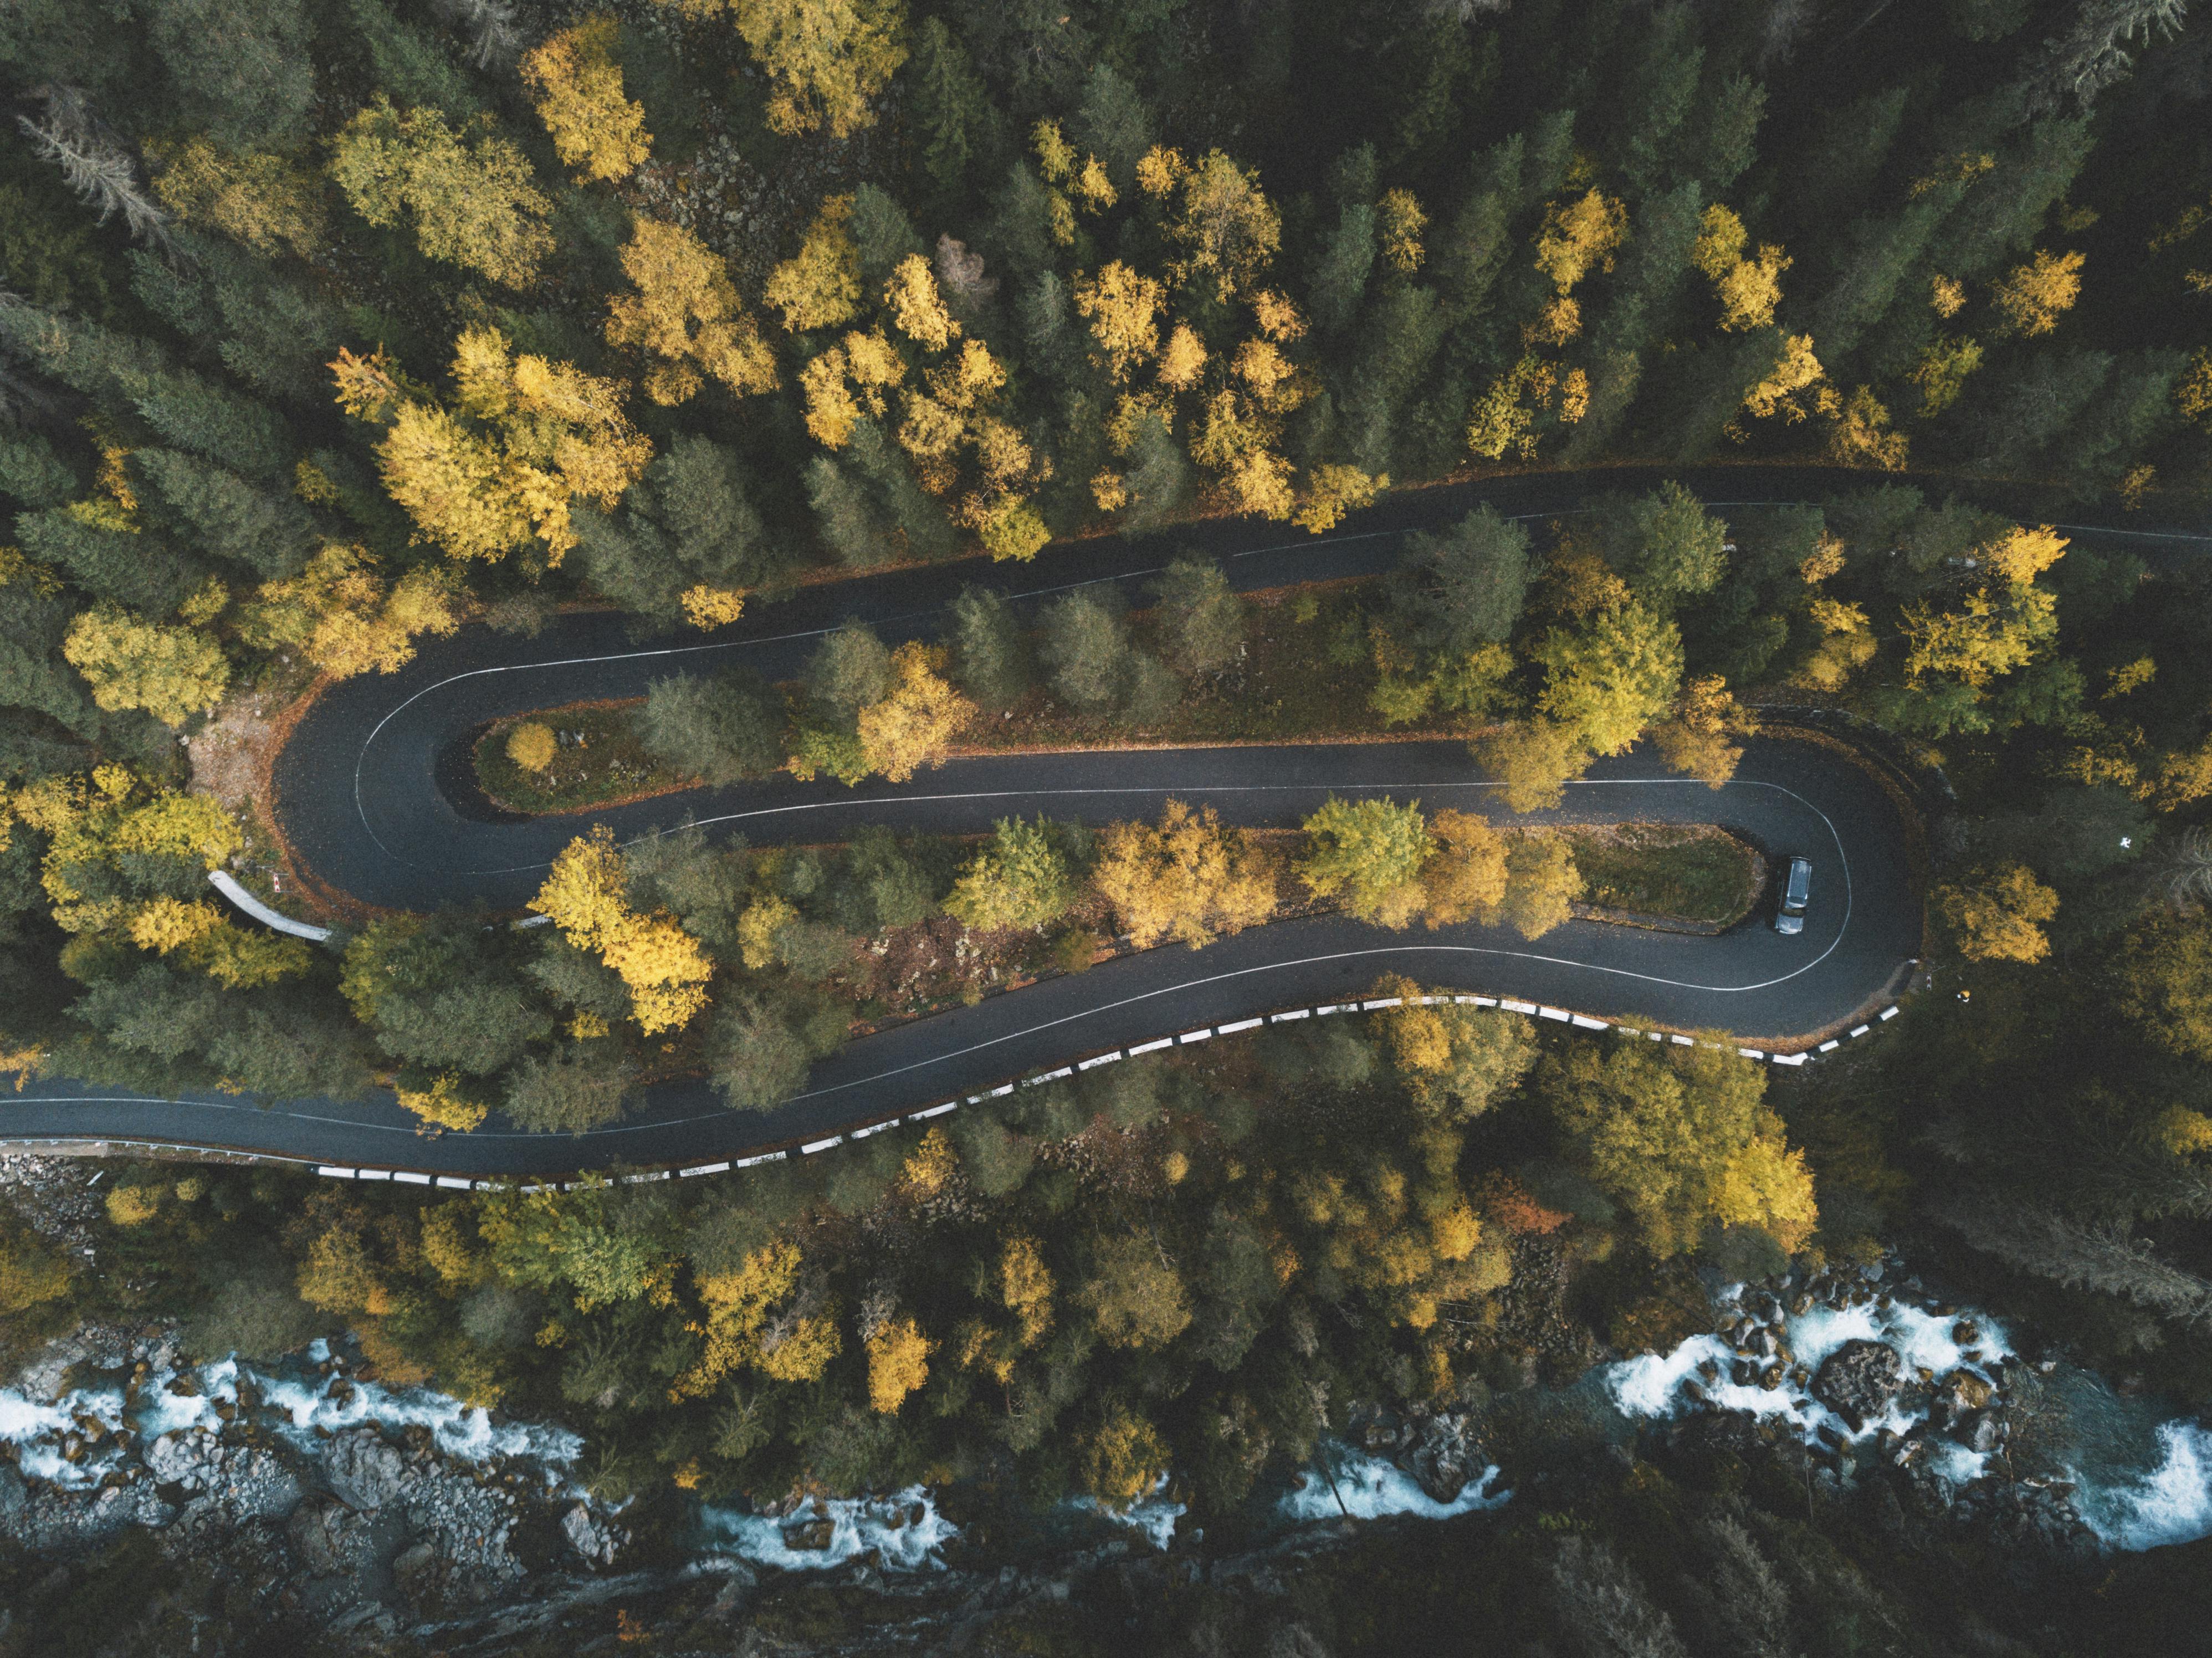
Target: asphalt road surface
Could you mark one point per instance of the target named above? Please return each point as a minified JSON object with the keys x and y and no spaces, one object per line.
{"x":373,"y":793}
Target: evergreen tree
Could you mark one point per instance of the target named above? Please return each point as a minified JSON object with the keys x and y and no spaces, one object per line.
{"x":990,"y":655}
{"x":1085,"y":648}
{"x":1199,"y":618}
{"x":720,"y":729}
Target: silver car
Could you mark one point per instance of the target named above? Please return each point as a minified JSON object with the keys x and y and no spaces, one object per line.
{"x":1796,"y":893}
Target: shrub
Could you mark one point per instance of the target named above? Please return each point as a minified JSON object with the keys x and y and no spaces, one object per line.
{"x":530,"y":745}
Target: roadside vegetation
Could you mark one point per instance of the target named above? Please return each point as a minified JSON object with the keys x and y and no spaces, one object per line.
{"x":1185,"y":1263}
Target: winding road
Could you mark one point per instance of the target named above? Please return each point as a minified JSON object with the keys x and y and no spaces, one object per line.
{"x":374,"y":794}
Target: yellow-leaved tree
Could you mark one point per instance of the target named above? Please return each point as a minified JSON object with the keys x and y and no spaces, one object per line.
{"x":470,"y":204}
{"x":586,"y":896}
{"x":819,"y":286}
{"x":173,"y":673}
{"x":498,"y":470}
{"x":1999,"y":914}
{"x":1697,"y":741}
{"x":2034,"y":296}
{"x":1192,"y":879}
{"x":686,"y":312}
{"x":1464,"y":878}
{"x":340,"y":615}
{"x":914,"y":725}
{"x":824,"y":58}
{"x":898,"y":1362}
{"x":577,"y":85}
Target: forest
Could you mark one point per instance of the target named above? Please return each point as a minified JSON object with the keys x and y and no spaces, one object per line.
{"x":328,"y":329}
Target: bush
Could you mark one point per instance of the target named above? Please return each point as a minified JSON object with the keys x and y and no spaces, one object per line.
{"x":531,"y":746}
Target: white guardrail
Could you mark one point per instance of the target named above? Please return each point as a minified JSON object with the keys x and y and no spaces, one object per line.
{"x":222,"y":881}
{"x":810,"y":1148}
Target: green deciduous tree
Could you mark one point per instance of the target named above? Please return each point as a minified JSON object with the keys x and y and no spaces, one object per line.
{"x":242,"y":67}
{"x":1612,"y":677}
{"x":577,"y":1087}
{"x":440,"y":992}
{"x":1368,"y":854}
{"x":1678,"y":547}
{"x":757,"y":1059}
{"x":1020,"y":878}
{"x":1458,"y":589}
{"x":1085,"y":648}
{"x":849,"y":670}
{"x":1680,"y":1138}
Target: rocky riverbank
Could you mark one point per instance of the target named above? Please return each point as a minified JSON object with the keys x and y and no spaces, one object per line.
{"x":303,"y":1501}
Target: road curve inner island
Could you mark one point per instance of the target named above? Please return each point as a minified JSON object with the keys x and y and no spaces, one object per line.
{"x":374,"y":794}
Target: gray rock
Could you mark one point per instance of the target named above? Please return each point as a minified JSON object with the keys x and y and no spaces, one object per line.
{"x":13,"y":1495}
{"x":363,"y":1471}
{"x":332,"y":1540}
{"x":809,"y":1533}
{"x":181,"y":1458}
{"x":1446,"y":1453}
{"x":1858,"y":1380}
{"x":589,"y":1537}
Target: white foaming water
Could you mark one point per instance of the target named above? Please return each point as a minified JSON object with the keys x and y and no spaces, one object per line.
{"x":297,"y":1406}
{"x":1372,"y":1488}
{"x":2171,"y":1503}
{"x":2139,"y":1501}
{"x":904,"y":1539}
{"x":1650,"y":1385}
{"x":1152,"y":1514}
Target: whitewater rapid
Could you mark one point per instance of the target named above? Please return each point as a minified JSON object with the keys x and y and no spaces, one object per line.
{"x":302,"y":1405}
{"x":2139,"y":1482}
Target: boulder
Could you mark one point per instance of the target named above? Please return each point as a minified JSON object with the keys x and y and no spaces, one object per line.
{"x":809,"y":1533}
{"x":1446,"y":1453}
{"x":590,"y":1537}
{"x":181,"y":1458}
{"x":363,"y":1471}
{"x":332,"y":1540}
{"x":1858,"y":1380}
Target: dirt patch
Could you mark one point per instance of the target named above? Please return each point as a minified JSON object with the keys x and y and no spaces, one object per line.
{"x":233,"y":755}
